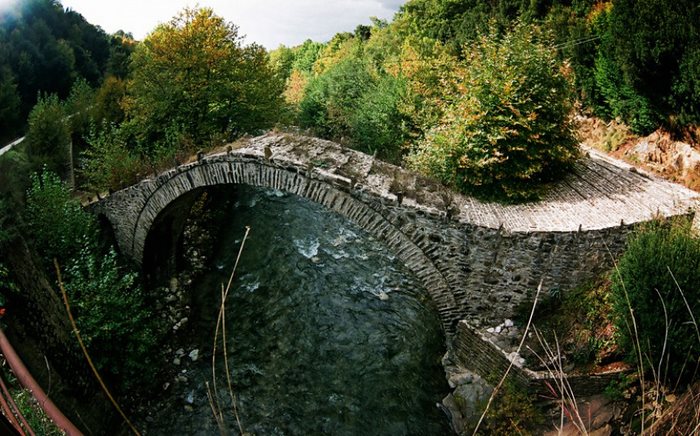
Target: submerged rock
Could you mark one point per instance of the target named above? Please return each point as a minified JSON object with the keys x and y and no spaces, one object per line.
{"x":194,"y":354}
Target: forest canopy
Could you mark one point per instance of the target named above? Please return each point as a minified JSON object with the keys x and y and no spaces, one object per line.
{"x":44,"y":48}
{"x":394,"y":89}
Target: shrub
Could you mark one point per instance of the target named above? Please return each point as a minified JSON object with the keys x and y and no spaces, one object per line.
{"x":107,"y":300}
{"x":108,"y":163}
{"x":110,"y":312}
{"x":509,"y":127}
{"x":512,"y":412}
{"x":55,"y":220}
{"x":644,"y":280}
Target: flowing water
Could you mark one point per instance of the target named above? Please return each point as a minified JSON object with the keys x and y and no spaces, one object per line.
{"x":328,"y":333}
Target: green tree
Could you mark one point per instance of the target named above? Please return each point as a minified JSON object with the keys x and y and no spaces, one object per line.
{"x":193,"y":73}
{"x":509,"y":127}
{"x":657,"y":279}
{"x":306,"y":55}
{"x":49,"y":136}
{"x":332,"y":98}
{"x":121,"y":45}
{"x":10,"y":115}
{"x":108,"y":162}
{"x":79,"y":108}
{"x":282,"y":60}
{"x":108,"y":101}
{"x":377,"y":124}
{"x":651,"y":61}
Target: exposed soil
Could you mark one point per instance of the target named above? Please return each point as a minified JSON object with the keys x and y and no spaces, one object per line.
{"x":660,"y":153}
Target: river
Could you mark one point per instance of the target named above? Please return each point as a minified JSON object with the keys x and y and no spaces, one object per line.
{"x":327,"y":332}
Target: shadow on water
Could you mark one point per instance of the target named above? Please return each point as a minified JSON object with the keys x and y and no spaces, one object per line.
{"x":327,"y":332}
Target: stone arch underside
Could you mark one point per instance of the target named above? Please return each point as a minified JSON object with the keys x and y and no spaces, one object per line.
{"x":259,"y":174}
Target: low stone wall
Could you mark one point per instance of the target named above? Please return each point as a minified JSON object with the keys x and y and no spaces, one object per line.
{"x":477,"y":353}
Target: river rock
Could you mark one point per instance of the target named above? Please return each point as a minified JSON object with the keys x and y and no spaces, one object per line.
{"x":465,"y":404}
{"x":194,"y":354}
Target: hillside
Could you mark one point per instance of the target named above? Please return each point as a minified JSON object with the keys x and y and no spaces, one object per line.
{"x":44,"y":48}
{"x":674,"y":160}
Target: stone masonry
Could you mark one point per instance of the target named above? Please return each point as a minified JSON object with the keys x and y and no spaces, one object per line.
{"x":478,"y":260}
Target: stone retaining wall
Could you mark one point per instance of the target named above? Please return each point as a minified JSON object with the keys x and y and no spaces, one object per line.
{"x":477,"y":353}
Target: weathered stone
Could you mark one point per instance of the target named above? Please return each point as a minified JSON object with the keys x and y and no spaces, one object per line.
{"x":478,"y":260}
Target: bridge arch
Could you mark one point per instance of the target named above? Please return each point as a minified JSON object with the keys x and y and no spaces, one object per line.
{"x":233,"y":169}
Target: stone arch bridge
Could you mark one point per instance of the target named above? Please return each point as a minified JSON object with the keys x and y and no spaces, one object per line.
{"x":478,"y":260}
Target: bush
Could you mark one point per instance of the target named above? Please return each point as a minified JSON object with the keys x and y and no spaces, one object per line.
{"x":107,"y":300}
{"x":645,"y":280}
{"x":509,"y":128}
{"x":56,"y":221}
{"x":108,"y":163}
{"x":512,"y":412}
{"x":110,"y":312}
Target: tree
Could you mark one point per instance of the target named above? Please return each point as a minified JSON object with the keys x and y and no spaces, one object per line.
{"x":108,"y":163}
{"x":193,"y":74}
{"x":653,"y":64}
{"x":377,"y":124}
{"x":108,"y":101}
{"x":306,"y":55}
{"x":121,"y":45}
{"x":9,"y":106}
{"x":79,"y":108}
{"x":509,"y":126}
{"x":49,"y":136}
{"x":332,"y":98}
{"x":282,"y":60}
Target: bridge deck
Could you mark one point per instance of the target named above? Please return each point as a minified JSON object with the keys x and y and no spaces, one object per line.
{"x":601,"y":192}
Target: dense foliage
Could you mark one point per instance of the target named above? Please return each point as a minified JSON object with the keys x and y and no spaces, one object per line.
{"x":216,"y":87}
{"x":107,"y":301}
{"x":509,"y":125}
{"x":657,"y":280}
{"x":48,"y":139}
{"x":648,"y":61}
{"x":44,"y":48}
{"x":391,"y":87}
